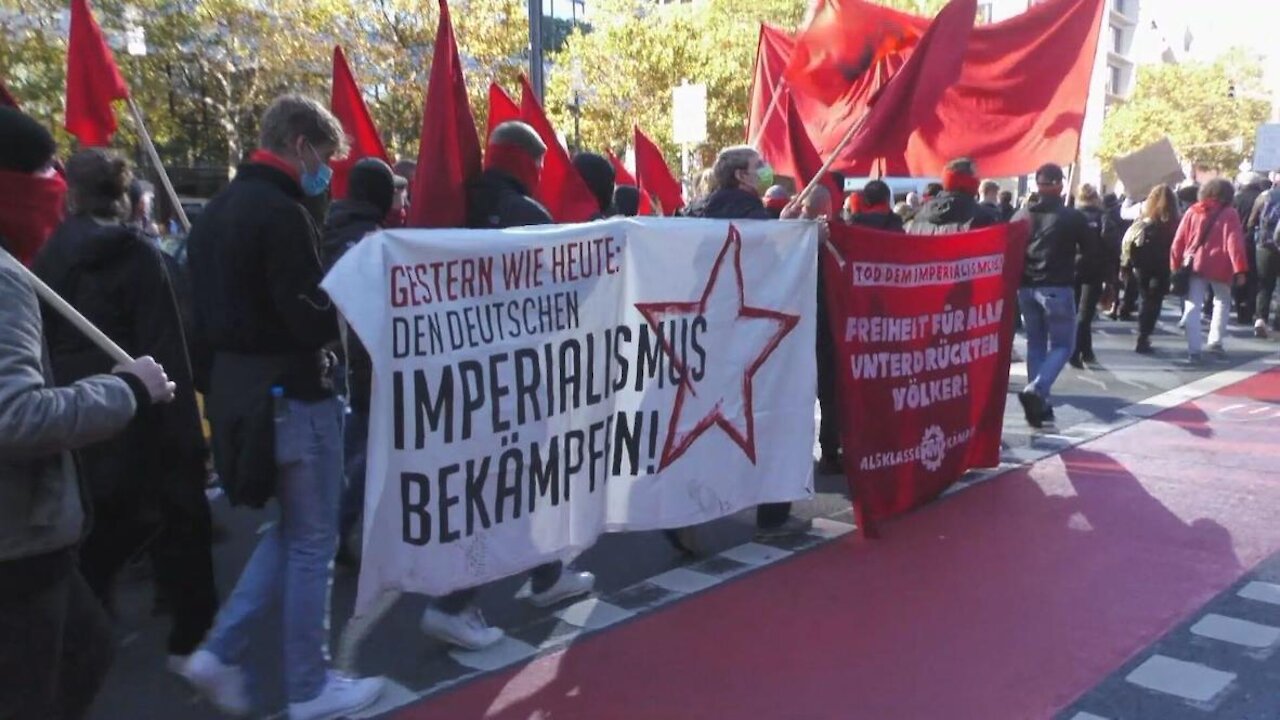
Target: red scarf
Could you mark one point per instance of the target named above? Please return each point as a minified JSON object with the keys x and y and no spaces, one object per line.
{"x":882,"y":208}
{"x":959,"y":182}
{"x":514,"y":161}
{"x":270,"y":159}
{"x":31,"y":208}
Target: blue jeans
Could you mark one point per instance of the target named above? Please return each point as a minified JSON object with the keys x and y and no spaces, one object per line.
{"x":292,"y":568}
{"x":1049,"y":318}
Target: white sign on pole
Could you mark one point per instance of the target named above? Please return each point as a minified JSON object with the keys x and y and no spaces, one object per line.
{"x":689,"y":114}
{"x":1266,"y":154}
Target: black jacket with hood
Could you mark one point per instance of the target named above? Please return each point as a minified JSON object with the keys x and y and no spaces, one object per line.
{"x":1058,"y":235}
{"x":1103,"y":264}
{"x":349,"y":222}
{"x":120,"y":282}
{"x":951,"y":212}
{"x":729,"y":204}
{"x":496,"y":200}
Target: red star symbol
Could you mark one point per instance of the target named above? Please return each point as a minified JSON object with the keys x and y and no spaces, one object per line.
{"x":741,"y":338}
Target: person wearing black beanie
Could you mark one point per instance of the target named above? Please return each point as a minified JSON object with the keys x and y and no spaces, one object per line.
{"x":370,"y":191}
{"x":599,"y":175}
{"x":32,"y":194}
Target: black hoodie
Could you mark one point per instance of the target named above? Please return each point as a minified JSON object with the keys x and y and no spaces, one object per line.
{"x":119,"y":280}
{"x":496,"y":200}
{"x":951,"y":212}
{"x":348,"y":223}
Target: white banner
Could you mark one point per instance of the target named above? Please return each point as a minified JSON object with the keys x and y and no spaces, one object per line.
{"x":534,"y":388}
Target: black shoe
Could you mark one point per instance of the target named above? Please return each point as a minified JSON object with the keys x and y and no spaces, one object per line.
{"x":1033,"y":407}
{"x":1047,"y":417}
{"x":1089,"y":359}
{"x":1126,"y":317}
{"x":1076,"y":362}
{"x":1144,"y":346}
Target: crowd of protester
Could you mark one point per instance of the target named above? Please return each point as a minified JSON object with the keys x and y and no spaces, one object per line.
{"x":238,"y":316}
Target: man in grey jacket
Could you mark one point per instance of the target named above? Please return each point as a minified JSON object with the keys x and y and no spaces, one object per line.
{"x":55,"y":639}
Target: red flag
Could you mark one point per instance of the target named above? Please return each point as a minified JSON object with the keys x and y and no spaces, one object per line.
{"x":808,"y":162}
{"x":843,"y":39}
{"x":347,"y":104}
{"x":449,"y":150}
{"x":501,"y":109}
{"x":1018,"y":103}
{"x":562,"y":191}
{"x":93,"y":80}
{"x":947,"y":417}
{"x":655,"y":176}
{"x":624,"y":177}
{"x":911,"y":97}
{"x":7,"y":99}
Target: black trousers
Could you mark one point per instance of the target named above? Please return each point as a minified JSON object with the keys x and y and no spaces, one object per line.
{"x":1153,"y":288}
{"x":1087,"y":295}
{"x":180,"y":544}
{"x":1268,"y":271}
{"x":541,"y":578}
{"x":1132,"y":295}
{"x":1243,"y":296}
{"x":55,"y":639}
{"x":828,"y":398}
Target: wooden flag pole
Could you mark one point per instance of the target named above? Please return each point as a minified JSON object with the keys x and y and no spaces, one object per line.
{"x":844,"y":142}
{"x":73,"y":316}
{"x":155,"y":160}
{"x":768,"y":114}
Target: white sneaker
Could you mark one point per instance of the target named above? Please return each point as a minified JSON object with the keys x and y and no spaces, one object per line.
{"x":570,"y":585}
{"x":340,"y":697}
{"x":221,"y":684}
{"x":467,"y":630}
{"x":1260,"y":328}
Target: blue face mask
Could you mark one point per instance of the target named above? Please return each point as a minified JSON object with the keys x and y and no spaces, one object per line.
{"x":315,"y":182}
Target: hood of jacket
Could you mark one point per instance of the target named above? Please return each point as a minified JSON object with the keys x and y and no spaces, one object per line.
{"x":348,"y":222}
{"x":948,"y":208}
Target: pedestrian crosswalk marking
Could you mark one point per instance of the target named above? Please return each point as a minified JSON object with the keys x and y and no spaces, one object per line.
{"x":1239,"y":632}
{"x":1190,"y":681}
{"x":1262,"y":592}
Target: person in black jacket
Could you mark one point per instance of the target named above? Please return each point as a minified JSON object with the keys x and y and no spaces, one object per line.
{"x":371,"y":189}
{"x":277,"y":426}
{"x":1058,"y":235}
{"x":738,"y":179}
{"x":740,"y":176}
{"x":502,"y":197}
{"x":147,"y":484}
{"x":1145,"y":257}
{"x":1244,"y":297}
{"x":870,"y":208}
{"x":956,"y":208}
{"x":1091,"y":273}
{"x":1007,"y":209}
{"x":513,"y":166}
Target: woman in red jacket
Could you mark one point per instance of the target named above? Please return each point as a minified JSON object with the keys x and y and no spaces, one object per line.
{"x":1210,"y":241}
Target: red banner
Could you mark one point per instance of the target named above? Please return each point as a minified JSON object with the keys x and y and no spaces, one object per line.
{"x":923,"y":331}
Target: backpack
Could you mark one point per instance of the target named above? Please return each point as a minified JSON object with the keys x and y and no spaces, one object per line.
{"x":1270,"y":219}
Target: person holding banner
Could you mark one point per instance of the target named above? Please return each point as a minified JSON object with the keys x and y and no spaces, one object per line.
{"x":257,"y":302}
{"x":1047,"y":299}
{"x":56,"y":641}
{"x":739,"y":178}
{"x":501,"y":198}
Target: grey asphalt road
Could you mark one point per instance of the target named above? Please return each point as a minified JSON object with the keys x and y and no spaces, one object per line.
{"x":138,"y":687}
